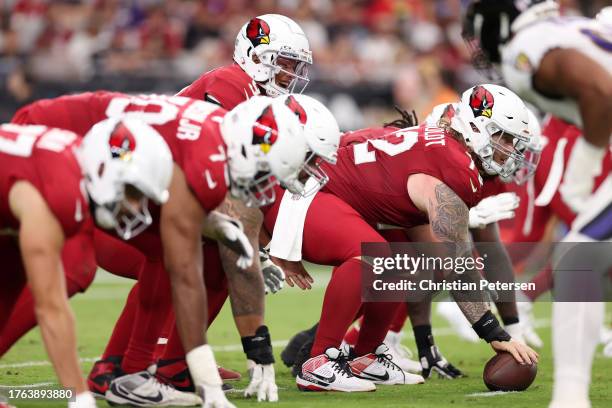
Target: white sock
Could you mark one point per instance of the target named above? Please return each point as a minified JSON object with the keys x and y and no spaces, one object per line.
{"x":575,"y":335}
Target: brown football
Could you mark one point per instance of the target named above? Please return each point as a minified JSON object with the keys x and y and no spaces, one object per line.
{"x":503,"y":373}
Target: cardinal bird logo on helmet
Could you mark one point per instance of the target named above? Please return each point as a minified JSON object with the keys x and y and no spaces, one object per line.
{"x":481,"y":102}
{"x":258,"y":32}
{"x":296,"y":108}
{"x":265,"y":130}
{"x":122,"y":143}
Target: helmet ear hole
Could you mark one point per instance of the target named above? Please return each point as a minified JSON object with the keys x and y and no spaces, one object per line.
{"x":255,"y":58}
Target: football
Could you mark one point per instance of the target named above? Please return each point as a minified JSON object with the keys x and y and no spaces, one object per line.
{"x":503,"y":373}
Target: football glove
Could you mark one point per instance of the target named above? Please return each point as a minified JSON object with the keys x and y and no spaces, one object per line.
{"x":583,"y":166}
{"x":273,"y":275}
{"x":214,"y":397}
{"x":493,"y":209}
{"x":263,"y":382}
{"x":433,"y":361}
{"x":229,"y":232}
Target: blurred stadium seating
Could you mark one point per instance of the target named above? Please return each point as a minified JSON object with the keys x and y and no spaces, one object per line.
{"x":368,"y":55}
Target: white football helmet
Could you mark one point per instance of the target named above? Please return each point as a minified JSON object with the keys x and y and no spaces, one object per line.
{"x":532,"y":153}
{"x":118,"y":156}
{"x":276,"y":41}
{"x":322,"y":135}
{"x":266,"y":145}
{"x":486,"y":116}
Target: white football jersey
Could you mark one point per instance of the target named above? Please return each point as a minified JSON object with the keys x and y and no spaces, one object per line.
{"x":521,"y":57}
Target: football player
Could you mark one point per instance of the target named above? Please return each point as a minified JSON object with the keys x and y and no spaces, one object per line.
{"x":563,"y":65}
{"x":48,"y":180}
{"x":271,"y":57}
{"x":210,"y":144}
{"x":388,"y":180}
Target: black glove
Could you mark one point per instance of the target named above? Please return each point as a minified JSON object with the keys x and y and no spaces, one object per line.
{"x":433,"y":361}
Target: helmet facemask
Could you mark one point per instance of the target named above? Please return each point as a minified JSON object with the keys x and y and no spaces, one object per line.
{"x":310,"y":170}
{"x":290,"y":63}
{"x":508,"y":153}
{"x":257,"y":191}
{"x":128,"y":214}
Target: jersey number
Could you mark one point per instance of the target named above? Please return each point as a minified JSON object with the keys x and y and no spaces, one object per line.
{"x":158,"y":110}
{"x":19,"y":140}
{"x":405,"y":140}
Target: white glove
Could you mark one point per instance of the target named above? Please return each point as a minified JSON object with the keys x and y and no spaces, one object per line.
{"x":229,"y":232}
{"x":214,"y":397}
{"x":263,"y":383}
{"x":273,"y":275}
{"x":493,"y":209}
{"x":583,"y":166}
{"x":83,"y":400}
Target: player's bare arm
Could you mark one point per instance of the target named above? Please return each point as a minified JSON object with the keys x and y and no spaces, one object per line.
{"x":498,"y":267}
{"x":246,"y":287}
{"x":449,"y":219}
{"x":561,"y":73}
{"x":41,"y":240}
{"x":181,"y":225}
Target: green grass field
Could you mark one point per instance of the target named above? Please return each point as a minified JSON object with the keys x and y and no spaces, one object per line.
{"x":287,"y":312}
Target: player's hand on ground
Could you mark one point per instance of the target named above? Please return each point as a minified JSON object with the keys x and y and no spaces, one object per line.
{"x":492,"y":209}
{"x":214,"y":397}
{"x":263,"y":383}
{"x":274,"y":277}
{"x":522,"y":353}
{"x":295,"y":273}
{"x":229,"y":232}
{"x":434,"y":362}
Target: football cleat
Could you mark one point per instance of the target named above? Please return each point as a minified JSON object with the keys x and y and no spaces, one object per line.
{"x":330,"y":372}
{"x":143,"y":389}
{"x":452,"y":314}
{"x":379,"y":368}
{"x":290,"y":352}
{"x":401,"y":354}
{"x":526,"y":319}
{"x":102,"y":373}
{"x":176,"y":373}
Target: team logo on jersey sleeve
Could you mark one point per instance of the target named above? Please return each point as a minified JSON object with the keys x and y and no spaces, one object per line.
{"x":265,"y":130}
{"x":296,"y":108}
{"x":258,"y":32}
{"x":481,"y":102}
{"x":122,"y":143}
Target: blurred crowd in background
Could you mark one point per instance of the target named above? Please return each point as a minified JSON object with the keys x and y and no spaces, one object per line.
{"x":368,"y":54}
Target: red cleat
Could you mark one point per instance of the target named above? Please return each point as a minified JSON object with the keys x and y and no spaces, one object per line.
{"x":102,"y":373}
{"x":176,"y":373}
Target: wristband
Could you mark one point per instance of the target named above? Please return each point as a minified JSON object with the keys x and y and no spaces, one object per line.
{"x":202,"y":366}
{"x":259,"y":347}
{"x":488,"y":328}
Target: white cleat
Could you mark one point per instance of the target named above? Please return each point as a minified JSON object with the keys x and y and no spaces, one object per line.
{"x":144,"y":390}
{"x":526,"y":320}
{"x":401,"y":354}
{"x":380,"y":368}
{"x":455,"y":318}
{"x":330,"y":372}
{"x":607,"y":351}
{"x":516,"y":331}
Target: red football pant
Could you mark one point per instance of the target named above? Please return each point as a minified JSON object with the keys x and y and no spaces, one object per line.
{"x":17,"y":315}
{"x":140,"y":325}
{"x":333,"y":234}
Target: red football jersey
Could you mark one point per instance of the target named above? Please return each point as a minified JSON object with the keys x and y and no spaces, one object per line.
{"x":226,"y":86}
{"x":540,"y":197}
{"x":374,"y":165}
{"x":44,"y":157}
{"x":190,"y":127}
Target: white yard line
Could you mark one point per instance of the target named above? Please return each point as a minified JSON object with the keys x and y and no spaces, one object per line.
{"x":490,"y":393}
{"x":35,"y":385}
{"x":442,"y":332}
